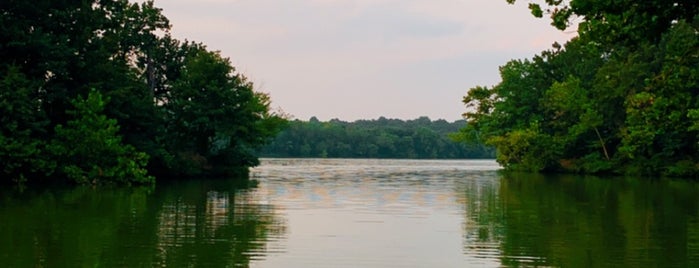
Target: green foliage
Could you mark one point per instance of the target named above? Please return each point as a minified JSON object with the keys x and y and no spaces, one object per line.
{"x":215,"y":117}
{"x":90,"y":150}
{"x":381,"y":138}
{"x":21,"y":129}
{"x":180,"y":104}
{"x":559,"y":13}
{"x":526,"y":149}
{"x":621,"y":97}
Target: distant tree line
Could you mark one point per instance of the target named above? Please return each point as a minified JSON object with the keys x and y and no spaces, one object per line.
{"x":98,"y":91}
{"x":380,"y":138}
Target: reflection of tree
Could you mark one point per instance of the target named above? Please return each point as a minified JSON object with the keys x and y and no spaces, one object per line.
{"x":483,"y":226}
{"x":571,"y":221}
{"x":214,"y":228}
{"x":67,"y":228}
{"x":193,"y":223}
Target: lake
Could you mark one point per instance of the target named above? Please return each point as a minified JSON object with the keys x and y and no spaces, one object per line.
{"x":359,"y":213}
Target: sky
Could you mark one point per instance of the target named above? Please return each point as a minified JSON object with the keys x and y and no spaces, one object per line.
{"x":362,"y":59}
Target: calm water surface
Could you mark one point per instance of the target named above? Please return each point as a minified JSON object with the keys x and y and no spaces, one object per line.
{"x":359,"y":213}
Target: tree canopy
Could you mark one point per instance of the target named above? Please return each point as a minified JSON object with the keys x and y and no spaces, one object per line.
{"x":380,"y":138}
{"x":620,"y":97}
{"x":98,"y":91}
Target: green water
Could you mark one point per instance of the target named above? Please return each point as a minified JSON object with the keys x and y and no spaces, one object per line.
{"x":359,"y":213}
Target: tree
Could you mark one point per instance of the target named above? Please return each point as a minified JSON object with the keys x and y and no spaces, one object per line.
{"x":619,"y":97}
{"x":180,"y":104}
{"x":22,"y":127}
{"x":381,"y":138}
{"x":90,"y":150}
{"x":215,"y":118}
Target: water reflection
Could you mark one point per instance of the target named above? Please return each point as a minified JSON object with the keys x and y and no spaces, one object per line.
{"x":574,"y":221}
{"x":483,"y":215}
{"x":192,"y":223}
{"x":360,"y":213}
{"x":369,"y":213}
{"x":202,"y":225}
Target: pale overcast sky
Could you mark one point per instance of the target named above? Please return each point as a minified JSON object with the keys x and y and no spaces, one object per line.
{"x":361,"y":59}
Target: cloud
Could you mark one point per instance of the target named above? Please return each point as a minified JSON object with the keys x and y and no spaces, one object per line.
{"x":365,"y":58}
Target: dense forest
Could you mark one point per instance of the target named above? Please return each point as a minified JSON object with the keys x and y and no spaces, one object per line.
{"x":621,"y":97}
{"x":98,"y":91}
{"x":381,"y":138}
